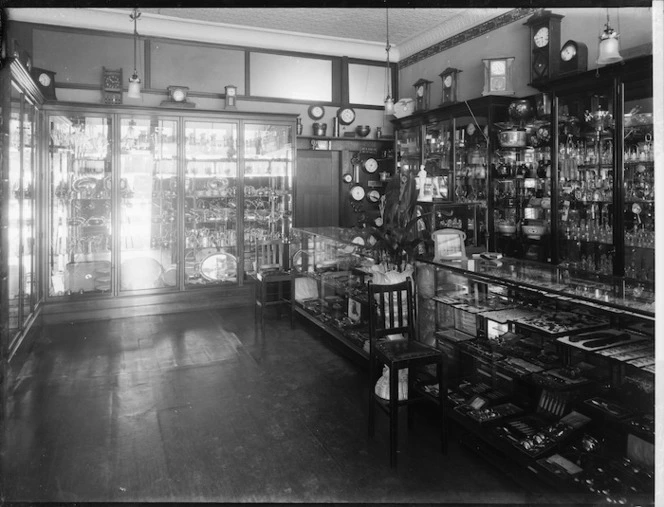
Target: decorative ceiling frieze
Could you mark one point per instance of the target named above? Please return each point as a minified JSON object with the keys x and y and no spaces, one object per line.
{"x":471,"y":33}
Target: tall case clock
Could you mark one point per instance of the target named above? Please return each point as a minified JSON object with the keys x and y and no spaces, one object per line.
{"x":544,"y":45}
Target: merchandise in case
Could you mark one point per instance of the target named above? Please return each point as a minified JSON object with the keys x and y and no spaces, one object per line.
{"x":151,"y":202}
{"x":521,"y":182}
{"x":20,"y":292}
{"x":604,"y":196}
{"x":551,"y":373}
{"x":450,"y":149}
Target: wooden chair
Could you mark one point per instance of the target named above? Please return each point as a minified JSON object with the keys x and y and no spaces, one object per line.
{"x":392,"y":312}
{"x":271,"y":276}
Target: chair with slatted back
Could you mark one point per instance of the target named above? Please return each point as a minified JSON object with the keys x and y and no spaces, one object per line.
{"x":271,"y":276}
{"x":391,"y":312}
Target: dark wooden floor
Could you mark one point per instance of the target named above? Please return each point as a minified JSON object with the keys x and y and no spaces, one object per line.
{"x":196,"y":407}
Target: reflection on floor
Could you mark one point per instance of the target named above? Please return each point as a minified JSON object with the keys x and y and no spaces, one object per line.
{"x":197,"y":407}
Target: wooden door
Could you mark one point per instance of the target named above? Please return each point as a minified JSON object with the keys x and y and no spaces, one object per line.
{"x":317,"y":189}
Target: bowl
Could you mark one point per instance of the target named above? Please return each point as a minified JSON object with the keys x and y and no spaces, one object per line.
{"x":362,"y":130}
{"x":533,"y":231}
{"x":513,"y":138}
{"x":506,"y":228}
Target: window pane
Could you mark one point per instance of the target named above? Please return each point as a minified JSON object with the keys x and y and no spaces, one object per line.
{"x":367,"y":84}
{"x":290,"y":77}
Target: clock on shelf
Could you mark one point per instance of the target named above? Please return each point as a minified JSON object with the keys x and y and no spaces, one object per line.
{"x":111,"y":86}
{"x":544,"y":45}
{"x":422,"y":92}
{"x":45,"y":80}
{"x":177,"y":97}
{"x":573,"y":57}
{"x":498,"y":76}
{"x":450,"y":79}
{"x":231,"y":97}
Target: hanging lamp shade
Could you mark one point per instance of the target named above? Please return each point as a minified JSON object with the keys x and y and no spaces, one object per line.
{"x":389,"y":105}
{"x":609,"y":47}
{"x":134,"y":91}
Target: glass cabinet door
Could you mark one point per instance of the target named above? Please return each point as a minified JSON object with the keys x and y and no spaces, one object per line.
{"x":586,"y":181}
{"x":470,"y":160}
{"x":28,"y":213}
{"x":409,"y":148}
{"x":79,"y":258}
{"x":211,"y":203}
{"x":268,"y":174}
{"x":148,"y":189}
{"x":639,"y":179}
{"x":16,"y":210}
{"x":438,"y":158}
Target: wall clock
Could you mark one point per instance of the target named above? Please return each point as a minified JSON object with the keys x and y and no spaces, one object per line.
{"x":370,"y":165}
{"x":450,"y":78}
{"x":316,"y":112}
{"x":422,"y":92}
{"x":347,"y":177}
{"x":573,"y":57}
{"x":544,"y":45}
{"x":231,"y":97}
{"x":357,"y":192}
{"x":498,"y":76}
{"x":111,"y":86}
{"x":346,"y":115}
{"x":177,"y":97}
{"x":373,"y":196}
{"x":45,"y":80}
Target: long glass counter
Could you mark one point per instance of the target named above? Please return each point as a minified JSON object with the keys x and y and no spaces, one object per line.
{"x":608,"y":293}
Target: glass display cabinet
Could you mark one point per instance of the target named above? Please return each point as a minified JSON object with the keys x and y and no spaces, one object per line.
{"x":153,"y":202}
{"x":551,"y":374}
{"x":19,"y":252}
{"x":455,"y":146}
{"x":603,"y":196}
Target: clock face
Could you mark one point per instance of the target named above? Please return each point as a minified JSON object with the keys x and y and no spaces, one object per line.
{"x":230,"y":91}
{"x":178,"y":95}
{"x":346,"y":115}
{"x":347,"y":177}
{"x":316,"y":112}
{"x":112,"y":81}
{"x":357,"y":193}
{"x":373,"y":196}
{"x":541,"y":37}
{"x":447,"y":82}
{"x":44,"y":79}
{"x":420,"y":91}
{"x":568,"y":52}
{"x":371,"y":165}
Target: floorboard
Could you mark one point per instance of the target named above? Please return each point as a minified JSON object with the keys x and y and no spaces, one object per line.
{"x":200,"y":407}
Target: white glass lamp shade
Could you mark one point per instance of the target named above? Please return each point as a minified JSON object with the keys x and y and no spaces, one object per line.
{"x":389,"y":106}
{"x":609,"y":47}
{"x":134,"y":87}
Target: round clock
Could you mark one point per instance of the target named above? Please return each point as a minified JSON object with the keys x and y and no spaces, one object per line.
{"x":179,"y":95}
{"x":357,"y":192}
{"x":378,"y":222}
{"x":316,"y":112}
{"x":470,"y":129}
{"x":373,"y":196}
{"x":112,"y":81}
{"x":347,"y":177}
{"x":420,"y":91}
{"x":370,"y":165}
{"x":44,"y":79}
{"x":346,"y":115}
{"x":447,"y":82}
{"x":541,"y":37}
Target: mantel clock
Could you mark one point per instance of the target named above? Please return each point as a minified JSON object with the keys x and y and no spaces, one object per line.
{"x":544,"y":45}
{"x":450,"y":80}
{"x":422,"y":94}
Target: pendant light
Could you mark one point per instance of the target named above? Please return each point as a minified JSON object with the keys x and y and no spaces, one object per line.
{"x":134,"y":81}
{"x":389,"y":101}
{"x":609,"y":46}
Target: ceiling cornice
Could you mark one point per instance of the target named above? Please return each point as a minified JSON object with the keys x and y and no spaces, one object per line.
{"x":155,"y":25}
